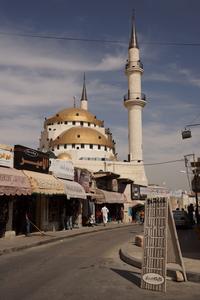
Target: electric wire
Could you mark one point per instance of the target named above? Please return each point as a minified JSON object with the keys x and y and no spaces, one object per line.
{"x":66,"y":38}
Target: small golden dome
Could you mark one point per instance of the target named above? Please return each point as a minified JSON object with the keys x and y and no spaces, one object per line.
{"x":82,"y":135}
{"x":74,"y":114}
{"x":64,"y":156}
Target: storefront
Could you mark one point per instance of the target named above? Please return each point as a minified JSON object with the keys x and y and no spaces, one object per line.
{"x":13,"y":185}
{"x":114,"y":202}
{"x":50,"y":197}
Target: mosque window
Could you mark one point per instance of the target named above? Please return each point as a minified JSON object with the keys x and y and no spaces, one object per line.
{"x":82,"y":146}
{"x":73,"y":123}
{"x":57,"y":115}
{"x":77,"y":148}
{"x":58,"y":146}
{"x":65,"y":146}
{"x":65,"y":122}
{"x":99,"y":147}
{"x":77,"y":114}
{"x":81,"y":123}
{"x":78,"y":136}
{"x":58,"y":122}
{"x":88,"y":123}
{"x":99,"y":137}
{"x":91,"y":146}
{"x":105,"y":148}
{"x":73,"y":146}
{"x":49,"y":129}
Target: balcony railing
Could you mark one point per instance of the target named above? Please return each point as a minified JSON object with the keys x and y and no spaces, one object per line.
{"x":135,"y":96}
{"x":134,"y":64}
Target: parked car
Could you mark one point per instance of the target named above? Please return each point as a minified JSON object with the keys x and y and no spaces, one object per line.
{"x":181,"y":219}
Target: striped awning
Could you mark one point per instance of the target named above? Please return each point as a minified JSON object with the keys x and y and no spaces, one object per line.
{"x":44,"y":183}
{"x":13,"y":182}
{"x":73,"y":189}
{"x":102,"y":196}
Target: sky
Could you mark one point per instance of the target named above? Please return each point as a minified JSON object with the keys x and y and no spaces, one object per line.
{"x":40,"y":76}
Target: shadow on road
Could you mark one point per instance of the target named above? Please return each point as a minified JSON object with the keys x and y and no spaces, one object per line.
{"x":133,"y":277}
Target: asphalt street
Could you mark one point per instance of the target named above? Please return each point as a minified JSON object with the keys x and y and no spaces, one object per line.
{"x":82,"y":267}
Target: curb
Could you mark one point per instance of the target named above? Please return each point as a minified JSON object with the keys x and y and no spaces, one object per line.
{"x":56,"y":239}
{"x":171,"y":272}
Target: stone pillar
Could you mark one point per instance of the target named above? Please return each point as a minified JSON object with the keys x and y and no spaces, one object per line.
{"x":9,"y":232}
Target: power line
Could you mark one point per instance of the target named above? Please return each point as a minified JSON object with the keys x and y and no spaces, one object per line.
{"x":65,"y":38}
{"x":164,"y":162}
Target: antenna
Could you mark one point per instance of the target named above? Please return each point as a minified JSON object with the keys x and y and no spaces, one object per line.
{"x":74,"y":98}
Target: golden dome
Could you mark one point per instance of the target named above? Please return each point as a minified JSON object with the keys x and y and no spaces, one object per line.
{"x":82,"y":135}
{"x":64,"y":156}
{"x":74,"y":114}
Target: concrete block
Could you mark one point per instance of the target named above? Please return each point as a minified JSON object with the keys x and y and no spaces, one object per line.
{"x":139,"y":240}
{"x":179,"y":276}
{"x":9,"y":234}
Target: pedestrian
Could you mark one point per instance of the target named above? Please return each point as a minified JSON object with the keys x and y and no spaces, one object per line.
{"x":105,"y":212}
{"x":27,"y":224}
{"x":121,"y":214}
{"x":190,"y":213}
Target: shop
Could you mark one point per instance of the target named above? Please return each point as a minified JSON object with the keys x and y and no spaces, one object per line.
{"x":14,"y":186}
{"x":50,"y":196}
{"x":114,"y":201}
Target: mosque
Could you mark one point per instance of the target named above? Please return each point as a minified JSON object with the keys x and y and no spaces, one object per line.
{"x":78,"y":135}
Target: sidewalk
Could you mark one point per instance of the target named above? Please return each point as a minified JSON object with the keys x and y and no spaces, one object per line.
{"x":21,"y":242}
{"x":190,"y":246}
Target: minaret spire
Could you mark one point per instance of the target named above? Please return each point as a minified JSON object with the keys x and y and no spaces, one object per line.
{"x":133,"y":43}
{"x":84,"y":102}
{"x":84,"y":93}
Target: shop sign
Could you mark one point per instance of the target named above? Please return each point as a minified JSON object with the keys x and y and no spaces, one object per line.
{"x":62,"y":168}
{"x":6,"y":158}
{"x":135,"y":191}
{"x":30,"y":159}
{"x":83,"y":177}
{"x":155,"y":245}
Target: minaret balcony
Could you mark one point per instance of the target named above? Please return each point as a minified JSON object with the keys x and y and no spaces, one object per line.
{"x":135,"y":96}
{"x":135,"y":99}
{"x":134,"y":66}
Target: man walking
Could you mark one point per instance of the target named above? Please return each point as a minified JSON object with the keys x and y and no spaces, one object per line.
{"x":105,"y":212}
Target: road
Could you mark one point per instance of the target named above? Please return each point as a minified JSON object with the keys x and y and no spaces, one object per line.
{"x":84,"y":267}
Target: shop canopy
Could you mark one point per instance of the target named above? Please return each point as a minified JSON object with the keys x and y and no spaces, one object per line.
{"x":73,"y":189}
{"x":44,"y":183}
{"x":102,"y":196}
{"x":13,"y":182}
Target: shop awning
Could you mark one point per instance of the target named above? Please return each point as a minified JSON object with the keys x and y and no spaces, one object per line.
{"x":13,"y":182}
{"x":136,"y":203}
{"x":102,"y":196}
{"x":73,"y":189}
{"x":44,"y":183}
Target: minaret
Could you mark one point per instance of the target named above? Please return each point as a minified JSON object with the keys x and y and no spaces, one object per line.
{"x":134,"y":101}
{"x":84,"y":101}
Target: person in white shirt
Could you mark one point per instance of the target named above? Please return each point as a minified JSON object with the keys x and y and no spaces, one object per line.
{"x":105,"y":212}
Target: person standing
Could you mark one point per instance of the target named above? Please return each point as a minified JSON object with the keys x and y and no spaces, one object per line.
{"x":105,"y":212}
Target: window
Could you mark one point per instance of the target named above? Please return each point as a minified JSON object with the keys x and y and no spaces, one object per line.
{"x":99,"y":147}
{"x":73,"y":123}
{"x":65,"y":122}
{"x":91,"y":146}
{"x":78,"y":136}
{"x":77,"y":114}
{"x":65,"y":146}
{"x":73,"y":146}
{"x":88,"y":123}
{"x":82,"y":146}
{"x":58,"y":146}
{"x":81,"y":123}
{"x":49,"y":129}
